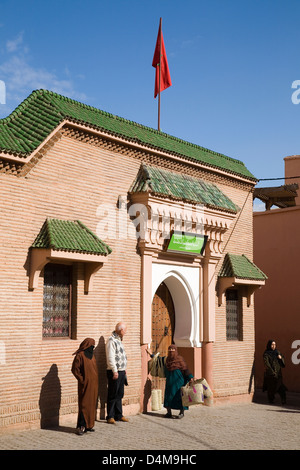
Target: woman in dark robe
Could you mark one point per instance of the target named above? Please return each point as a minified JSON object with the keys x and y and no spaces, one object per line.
{"x":274,"y":362}
{"x":84,"y":368}
{"x":177,"y":375}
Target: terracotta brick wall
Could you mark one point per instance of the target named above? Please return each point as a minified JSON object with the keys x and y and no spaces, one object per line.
{"x":70,"y":182}
{"x":233,"y":360}
{"x":76,"y":180}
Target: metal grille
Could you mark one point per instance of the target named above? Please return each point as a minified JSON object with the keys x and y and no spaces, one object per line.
{"x":57,"y":295}
{"x":232,"y":315}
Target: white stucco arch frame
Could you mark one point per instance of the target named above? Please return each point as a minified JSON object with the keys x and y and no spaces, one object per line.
{"x":183,"y":284}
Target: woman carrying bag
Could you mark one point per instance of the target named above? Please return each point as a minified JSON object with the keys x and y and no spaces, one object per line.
{"x":177,"y":375}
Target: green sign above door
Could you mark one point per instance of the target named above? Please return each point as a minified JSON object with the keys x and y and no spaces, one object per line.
{"x":186,"y":242}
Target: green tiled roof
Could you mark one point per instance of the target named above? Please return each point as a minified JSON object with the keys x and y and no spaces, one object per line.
{"x":74,"y":236}
{"x":241,"y":267}
{"x":39,"y":114}
{"x":180,"y":186}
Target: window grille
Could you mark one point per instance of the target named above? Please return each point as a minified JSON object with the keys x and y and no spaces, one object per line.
{"x":57,"y":300}
{"x":233,"y":315}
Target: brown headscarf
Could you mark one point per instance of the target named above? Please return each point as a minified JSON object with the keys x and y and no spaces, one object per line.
{"x":86,"y":343}
{"x":174,"y":361}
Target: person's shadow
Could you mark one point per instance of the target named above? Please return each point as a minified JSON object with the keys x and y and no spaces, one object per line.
{"x":147,"y":395}
{"x":100,"y":355}
{"x":50,"y":399}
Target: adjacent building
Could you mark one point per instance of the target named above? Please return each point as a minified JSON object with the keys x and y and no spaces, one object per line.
{"x":276,"y":250}
{"x":105,"y":220}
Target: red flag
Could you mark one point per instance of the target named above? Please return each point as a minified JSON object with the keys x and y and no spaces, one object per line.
{"x":160,"y":58}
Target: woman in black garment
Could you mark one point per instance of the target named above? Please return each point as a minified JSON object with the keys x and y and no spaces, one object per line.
{"x":274,"y":362}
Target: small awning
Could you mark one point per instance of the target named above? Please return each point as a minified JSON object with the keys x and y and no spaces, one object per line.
{"x":239,"y":270}
{"x":182,"y":187}
{"x":66,"y":241}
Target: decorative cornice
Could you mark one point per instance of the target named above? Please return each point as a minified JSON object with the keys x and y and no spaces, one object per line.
{"x":21,"y":165}
{"x":157,"y":218}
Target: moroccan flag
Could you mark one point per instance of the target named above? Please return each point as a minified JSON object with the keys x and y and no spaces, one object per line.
{"x":160,"y":58}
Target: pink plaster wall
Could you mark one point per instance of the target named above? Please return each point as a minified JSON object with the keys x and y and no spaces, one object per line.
{"x":277,"y":304}
{"x":292,"y":170}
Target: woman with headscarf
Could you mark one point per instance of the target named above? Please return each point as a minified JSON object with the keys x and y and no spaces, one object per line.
{"x":274,"y":362}
{"x":84,"y":368}
{"x":177,"y":375}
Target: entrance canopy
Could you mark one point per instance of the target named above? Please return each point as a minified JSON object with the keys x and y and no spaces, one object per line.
{"x":182,"y":187}
{"x":170,"y":202}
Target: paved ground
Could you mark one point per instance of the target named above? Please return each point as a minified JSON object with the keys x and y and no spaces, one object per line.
{"x":252,"y":426}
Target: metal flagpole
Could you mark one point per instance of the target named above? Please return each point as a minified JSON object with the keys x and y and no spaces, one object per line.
{"x":159,"y":81}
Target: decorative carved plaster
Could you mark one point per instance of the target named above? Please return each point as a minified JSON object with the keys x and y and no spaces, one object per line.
{"x":158,"y":217}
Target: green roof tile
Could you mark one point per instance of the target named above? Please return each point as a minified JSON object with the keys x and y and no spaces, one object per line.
{"x":39,"y":114}
{"x":241,"y":267}
{"x":74,"y":236}
{"x":182,"y":187}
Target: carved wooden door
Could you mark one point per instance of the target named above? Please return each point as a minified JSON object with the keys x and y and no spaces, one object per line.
{"x":163,"y":326}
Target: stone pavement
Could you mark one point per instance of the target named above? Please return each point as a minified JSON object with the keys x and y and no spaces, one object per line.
{"x":251,"y":426}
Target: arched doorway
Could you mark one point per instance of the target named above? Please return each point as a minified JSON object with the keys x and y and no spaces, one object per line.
{"x":163,"y":327}
{"x":183,"y":284}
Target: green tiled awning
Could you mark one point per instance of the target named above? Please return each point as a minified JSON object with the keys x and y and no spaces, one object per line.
{"x":240,"y":267}
{"x":182,"y":187}
{"x":70,"y":236}
{"x":38,"y":115}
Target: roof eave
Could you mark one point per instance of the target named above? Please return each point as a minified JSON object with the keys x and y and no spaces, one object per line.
{"x":89,"y":128}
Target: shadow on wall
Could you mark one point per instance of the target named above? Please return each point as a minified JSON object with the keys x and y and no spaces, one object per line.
{"x":50,"y":395}
{"x":147,"y":394}
{"x":100,"y":355}
{"x":251,"y":386}
{"x":50,"y":399}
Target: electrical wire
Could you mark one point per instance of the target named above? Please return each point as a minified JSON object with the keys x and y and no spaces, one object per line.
{"x":283,"y":178}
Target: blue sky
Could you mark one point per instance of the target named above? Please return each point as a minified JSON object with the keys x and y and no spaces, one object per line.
{"x":232,"y":64}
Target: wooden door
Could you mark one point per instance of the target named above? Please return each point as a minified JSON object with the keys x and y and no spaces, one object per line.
{"x":163,"y":326}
